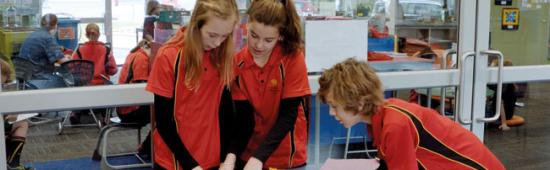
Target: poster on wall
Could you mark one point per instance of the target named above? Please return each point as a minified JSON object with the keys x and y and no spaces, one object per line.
{"x":503,"y":2}
{"x":510,"y":19}
{"x":65,"y":33}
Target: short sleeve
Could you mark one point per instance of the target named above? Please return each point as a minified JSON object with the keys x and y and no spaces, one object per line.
{"x":141,"y":68}
{"x":296,"y":82}
{"x":237,"y":92}
{"x":161,"y":80}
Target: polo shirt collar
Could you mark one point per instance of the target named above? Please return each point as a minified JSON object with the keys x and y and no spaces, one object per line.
{"x":91,"y":42}
{"x":376,"y":124}
{"x":142,"y":52}
{"x":274,"y":58}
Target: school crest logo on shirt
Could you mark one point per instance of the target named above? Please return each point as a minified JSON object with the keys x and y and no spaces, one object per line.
{"x":273,"y":84}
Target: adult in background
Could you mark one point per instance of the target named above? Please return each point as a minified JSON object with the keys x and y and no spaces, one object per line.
{"x":42,"y":49}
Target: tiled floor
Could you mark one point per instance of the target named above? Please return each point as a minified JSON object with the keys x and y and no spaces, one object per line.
{"x":524,"y":147}
{"x":527,"y":146}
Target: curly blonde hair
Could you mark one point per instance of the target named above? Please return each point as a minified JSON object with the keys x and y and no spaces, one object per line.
{"x":352,"y":84}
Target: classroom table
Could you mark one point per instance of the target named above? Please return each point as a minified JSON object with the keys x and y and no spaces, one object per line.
{"x":403,"y":64}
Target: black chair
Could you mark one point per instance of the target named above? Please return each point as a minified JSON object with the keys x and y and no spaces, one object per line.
{"x":129,"y":123}
{"x":24,"y":71}
{"x":105,"y":78}
{"x":101,"y":151}
{"x":77,"y":73}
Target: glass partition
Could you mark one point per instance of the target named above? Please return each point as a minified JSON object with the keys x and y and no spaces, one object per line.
{"x":417,"y":29}
{"x":127,"y":16}
{"x":77,"y":9}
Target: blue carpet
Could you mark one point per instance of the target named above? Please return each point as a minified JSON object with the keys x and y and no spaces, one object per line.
{"x":85,"y":163}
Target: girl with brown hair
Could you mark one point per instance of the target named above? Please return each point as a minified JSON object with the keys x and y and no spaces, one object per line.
{"x":270,"y":91}
{"x":188,"y":76}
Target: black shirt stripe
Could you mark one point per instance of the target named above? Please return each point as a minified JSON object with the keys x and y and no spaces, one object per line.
{"x":429,"y":142}
{"x":292,"y":148}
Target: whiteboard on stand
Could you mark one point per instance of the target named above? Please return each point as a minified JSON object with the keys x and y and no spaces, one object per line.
{"x":328,"y":42}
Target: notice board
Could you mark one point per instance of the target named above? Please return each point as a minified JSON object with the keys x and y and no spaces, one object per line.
{"x":328,"y":42}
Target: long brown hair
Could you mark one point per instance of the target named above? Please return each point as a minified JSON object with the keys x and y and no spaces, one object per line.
{"x":281,"y":14}
{"x":222,"y":56}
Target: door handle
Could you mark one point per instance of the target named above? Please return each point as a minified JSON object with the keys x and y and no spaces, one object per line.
{"x":444,"y":89}
{"x":462,"y":87}
{"x":446,"y":55}
{"x":499,"y":85}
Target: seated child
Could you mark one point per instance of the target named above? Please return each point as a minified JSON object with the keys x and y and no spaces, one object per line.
{"x":97,"y":52}
{"x":136,"y":70}
{"x":15,"y":132}
{"x":104,"y":63}
{"x":407,"y":135}
{"x":509,"y":98}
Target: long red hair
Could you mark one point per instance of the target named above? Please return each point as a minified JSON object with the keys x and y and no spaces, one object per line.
{"x":221,"y":57}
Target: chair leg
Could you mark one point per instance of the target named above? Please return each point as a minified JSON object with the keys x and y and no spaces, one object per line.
{"x":366,"y":147}
{"x":107,"y":118}
{"x":347,"y":151}
{"x":104,"y":155}
{"x":96,"y":155}
{"x":347,"y":143}
{"x":62,"y":123}
{"x":95,"y":119}
{"x":43,"y":120}
{"x":139,"y":136}
{"x":330,"y":147}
